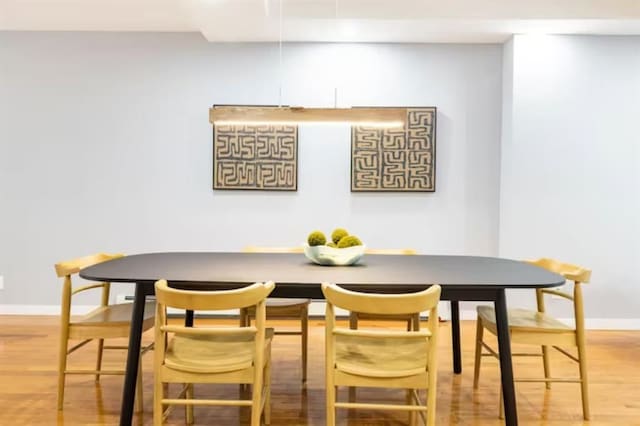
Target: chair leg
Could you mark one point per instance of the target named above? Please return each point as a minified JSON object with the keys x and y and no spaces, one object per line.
{"x":189,"y":407}
{"x":99,"y":359}
{"x":478,"y":354}
{"x":256,"y":399}
{"x":267,"y":395}
{"x":139,"y":402}
{"x":159,"y":389}
{"x":62,"y":364}
{"x":431,"y":405}
{"x":330,"y":405}
{"x":352,"y":393}
{"x":416,"y":322}
{"x":353,"y":320}
{"x":409,"y":401}
{"x":165,"y":391}
{"x":245,"y":321}
{"x":546,"y":366}
{"x":305,"y":338}
{"x":244,"y":317}
{"x":353,"y":325}
{"x":584,"y":383}
{"x":255,"y":410}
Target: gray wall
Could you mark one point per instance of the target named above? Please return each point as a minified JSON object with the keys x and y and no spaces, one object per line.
{"x":106,"y":146}
{"x":570,"y":184}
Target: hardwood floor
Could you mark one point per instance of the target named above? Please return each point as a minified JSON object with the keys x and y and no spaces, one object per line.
{"x":28,"y":356}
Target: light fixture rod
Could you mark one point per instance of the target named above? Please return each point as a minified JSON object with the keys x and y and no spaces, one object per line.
{"x":238,"y":115}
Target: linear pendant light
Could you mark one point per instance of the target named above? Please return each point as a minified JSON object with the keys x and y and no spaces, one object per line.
{"x":365,"y":116}
{"x":247,"y":115}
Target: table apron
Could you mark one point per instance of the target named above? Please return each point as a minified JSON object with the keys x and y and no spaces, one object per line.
{"x":315,"y":292}
{"x":448,"y":293}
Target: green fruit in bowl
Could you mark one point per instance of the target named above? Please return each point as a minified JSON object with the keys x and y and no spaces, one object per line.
{"x":332,"y":244}
{"x":349,"y":241}
{"x":316,"y":238}
{"x":338,"y":234}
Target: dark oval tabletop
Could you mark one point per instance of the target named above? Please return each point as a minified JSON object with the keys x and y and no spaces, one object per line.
{"x":380,"y":273}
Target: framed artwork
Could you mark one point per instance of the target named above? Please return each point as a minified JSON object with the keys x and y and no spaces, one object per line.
{"x":257,"y":157}
{"x":396,"y":159}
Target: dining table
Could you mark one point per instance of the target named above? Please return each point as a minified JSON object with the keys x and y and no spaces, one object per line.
{"x":462,"y":278}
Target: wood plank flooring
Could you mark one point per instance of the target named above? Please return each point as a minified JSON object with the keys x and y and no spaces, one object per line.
{"x":28,"y":359}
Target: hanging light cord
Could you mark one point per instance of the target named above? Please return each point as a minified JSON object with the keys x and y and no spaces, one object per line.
{"x":280,"y":58}
{"x":335,"y":62}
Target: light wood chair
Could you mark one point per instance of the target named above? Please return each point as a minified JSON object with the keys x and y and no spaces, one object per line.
{"x":105,"y":322}
{"x":212,"y":354}
{"x":283,"y":308}
{"x":382,"y":358}
{"x":413,"y":321}
{"x":538,"y":328}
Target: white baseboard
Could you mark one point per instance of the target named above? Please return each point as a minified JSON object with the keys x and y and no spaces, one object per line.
{"x":608,"y":323}
{"x":317,"y":309}
{"x":42,"y":309}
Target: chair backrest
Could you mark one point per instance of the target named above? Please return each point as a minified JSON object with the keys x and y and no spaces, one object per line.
{"x":71,"y":267}
{"x":383,"y":353}
{"x":246,"y":343}
{"x":403,"y":251}
{"x":212,"y":300}
{"x":569,"y":271}
{"x":386,"y":304}
{"x":259,"y":249}
{"x":575,"y":273}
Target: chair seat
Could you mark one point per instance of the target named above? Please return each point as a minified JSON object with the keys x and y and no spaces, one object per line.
{"x":111,"y":321}
{"x":119,"y":314}
{"x":524,"y":319}
{"x":282,"y":307}
{"x":211,"y":353}
{"x":378,"y":355}
{"x":399,"y":317}
{"x":276,"y":302}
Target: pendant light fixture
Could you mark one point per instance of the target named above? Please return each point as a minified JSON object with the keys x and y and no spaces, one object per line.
{"x":247,"y":115}
{"x":286,"y":115}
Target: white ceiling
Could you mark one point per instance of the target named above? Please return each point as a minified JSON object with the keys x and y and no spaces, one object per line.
{"x":329,"y":20}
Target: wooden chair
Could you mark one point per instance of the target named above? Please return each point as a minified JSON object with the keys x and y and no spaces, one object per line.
{"x":538,"y":328}
{"x":105,"y":322}
{"x":413,"y":321}
{"x":382,"y":358}
{"x":212,"y":354}
{"x":283,"y":308}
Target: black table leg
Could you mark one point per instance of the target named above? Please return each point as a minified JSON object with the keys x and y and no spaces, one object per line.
{"x":188,"y":318}
{"x":506,"y":367}
{"x":133,"y":355}
{"x":455,"y":336}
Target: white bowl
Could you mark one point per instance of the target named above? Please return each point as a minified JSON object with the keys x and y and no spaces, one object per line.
{"x":325,"y":255}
